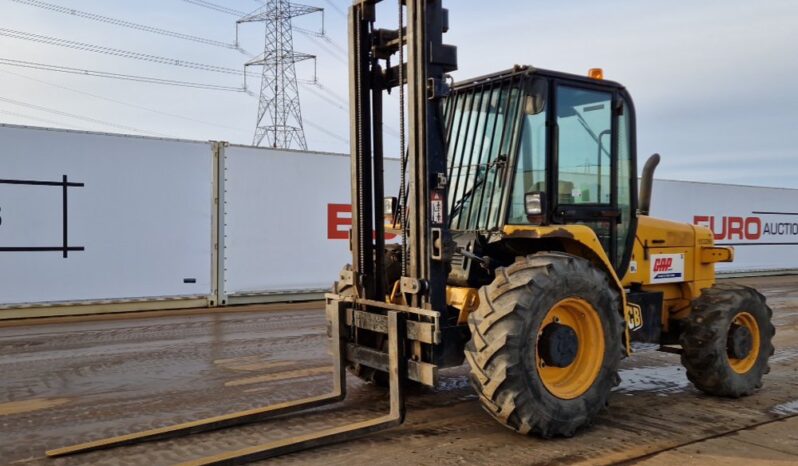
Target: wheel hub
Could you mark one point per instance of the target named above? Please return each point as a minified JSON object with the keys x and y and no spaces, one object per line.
{"x":740,"y":342}
{"x":558,"y":345}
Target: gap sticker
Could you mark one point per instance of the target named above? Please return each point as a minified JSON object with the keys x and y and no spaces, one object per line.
{"x":667,"y":268}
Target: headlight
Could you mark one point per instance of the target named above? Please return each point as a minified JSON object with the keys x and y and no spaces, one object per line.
{"x":533,"y":202}
{"x":535,"y":206}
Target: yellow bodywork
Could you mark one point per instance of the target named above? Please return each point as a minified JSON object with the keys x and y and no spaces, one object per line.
{"x":578,"y":240}
{"x":465,"y":300}
{"x":654,"y":236}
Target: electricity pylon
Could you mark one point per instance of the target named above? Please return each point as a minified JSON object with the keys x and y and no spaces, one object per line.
{"x":279,"y":113}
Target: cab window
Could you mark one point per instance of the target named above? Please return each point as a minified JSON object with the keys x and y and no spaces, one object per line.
{"x":584,"y":120}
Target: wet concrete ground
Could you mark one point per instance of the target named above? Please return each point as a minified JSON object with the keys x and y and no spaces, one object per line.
{"x":69,"y":381}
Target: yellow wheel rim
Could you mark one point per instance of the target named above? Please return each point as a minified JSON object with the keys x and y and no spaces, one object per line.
{"x":741,"y":366}
{"x":575,"y":379}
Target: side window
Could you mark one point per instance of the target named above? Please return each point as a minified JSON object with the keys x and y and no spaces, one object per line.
{"x":480,"y":140}
{"x":584,"y":120}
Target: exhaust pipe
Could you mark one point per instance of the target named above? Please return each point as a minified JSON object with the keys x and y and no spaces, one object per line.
{"x":647,"y":183}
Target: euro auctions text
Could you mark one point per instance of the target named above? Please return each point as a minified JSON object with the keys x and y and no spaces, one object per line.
{"x":768,"y":226}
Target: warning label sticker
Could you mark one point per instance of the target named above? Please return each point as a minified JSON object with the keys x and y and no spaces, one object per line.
{"x":436,"y":208}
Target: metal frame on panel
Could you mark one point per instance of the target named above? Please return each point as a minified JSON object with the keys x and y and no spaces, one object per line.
{"x":218,"y":215}
{"x":64,"y":184}
{"x":77,"y":308}
{"x":280,"y":296}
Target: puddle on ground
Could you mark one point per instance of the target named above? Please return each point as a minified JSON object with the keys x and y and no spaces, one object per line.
{"x":662,"y":380}
{"x":785,"y":409}
{"x":446,"y":384}
{"x":784,"y":355}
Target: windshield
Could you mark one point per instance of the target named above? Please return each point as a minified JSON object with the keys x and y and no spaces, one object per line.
{"x":481,"y":124}
{"x":584,"y":151}
{"x":530,"y":170}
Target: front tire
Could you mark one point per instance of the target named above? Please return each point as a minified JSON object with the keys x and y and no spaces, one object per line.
{"x":727,"y":340}
{"x":524,"y":365}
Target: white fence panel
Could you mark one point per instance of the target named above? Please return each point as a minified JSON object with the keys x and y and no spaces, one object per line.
{"x":761,"y":223}
{"x":87,"y":216}
{"x":286,"y":217}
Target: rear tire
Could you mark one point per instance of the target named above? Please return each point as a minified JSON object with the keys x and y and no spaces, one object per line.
{"x":706,"y":353}
{"x":505,"y":351}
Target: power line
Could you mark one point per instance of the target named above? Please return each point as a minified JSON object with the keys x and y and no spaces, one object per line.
{"x":326,"y":131}
{"x":45,"y":120}
{"x":335,"y":95}
{"x":120,"y":102}
{"x":327,"y":99}
{"x":84,"y":128}
{"x":332,"y":98}
{"x":48,"y":40}
{"x":311,"y":34}
{"x":310,"y":123}
{"x":122,"y":76}
{"x":338,"y":102}
{"x":150,"y":80}
{"x":127,"y":24}
{"x":219,"y":8}
{"x":314,"y":37}
{"x":336,"y":8}
{"x":335,"y":45}
{"x":78,"y":117}
{"x":118,"y":52}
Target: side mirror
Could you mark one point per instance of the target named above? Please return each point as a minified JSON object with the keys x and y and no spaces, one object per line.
{"x":535,"y":206}
{"x":535,"y":101}
{"x":533,"y":104}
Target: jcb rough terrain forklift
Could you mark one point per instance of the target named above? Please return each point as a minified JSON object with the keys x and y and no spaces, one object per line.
{"x":525,"y":249}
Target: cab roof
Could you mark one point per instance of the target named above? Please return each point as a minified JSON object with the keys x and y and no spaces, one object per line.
{"x":527,"y":70}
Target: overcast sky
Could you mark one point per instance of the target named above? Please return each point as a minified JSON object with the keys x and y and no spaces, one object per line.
{"x":712,"y":80}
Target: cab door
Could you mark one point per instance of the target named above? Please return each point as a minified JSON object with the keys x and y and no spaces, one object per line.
{"x":589,"y":185}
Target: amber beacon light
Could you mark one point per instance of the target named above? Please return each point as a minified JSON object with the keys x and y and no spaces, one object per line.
{"x":595,"y":73}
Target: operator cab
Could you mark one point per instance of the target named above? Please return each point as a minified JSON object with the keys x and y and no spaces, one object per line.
{"x":530,"y":147}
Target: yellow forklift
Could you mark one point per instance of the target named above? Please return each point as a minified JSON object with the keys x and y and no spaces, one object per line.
{"x":525,"y":249}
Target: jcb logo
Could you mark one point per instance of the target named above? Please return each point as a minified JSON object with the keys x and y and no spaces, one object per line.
{"x":663,"y":265}
{"x":635,"y":317}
